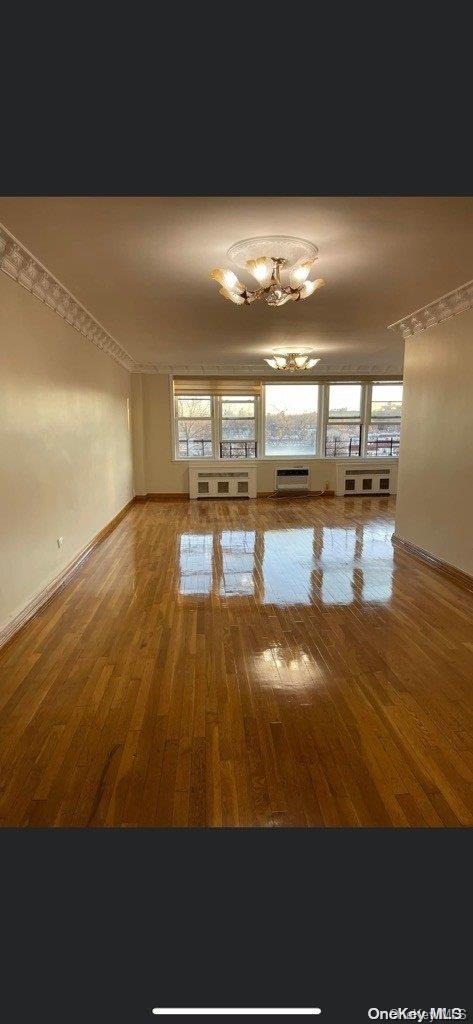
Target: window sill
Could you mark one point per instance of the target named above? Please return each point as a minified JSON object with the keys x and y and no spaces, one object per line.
{"x":369,"y":460}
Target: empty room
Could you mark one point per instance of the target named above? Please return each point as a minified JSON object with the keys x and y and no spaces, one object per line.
{"x":236,"y":479}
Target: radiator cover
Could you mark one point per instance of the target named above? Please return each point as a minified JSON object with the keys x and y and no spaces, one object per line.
{"x":367,"y":479}
{"x":216,"y":482}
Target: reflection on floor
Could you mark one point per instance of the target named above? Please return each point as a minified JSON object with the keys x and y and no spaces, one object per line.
{"x":243,"y":663}
{"x":308,"y":565}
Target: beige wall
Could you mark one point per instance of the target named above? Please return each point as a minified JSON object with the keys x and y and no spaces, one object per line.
{"x":65,"y":444}
{"x":162,"y":475}
{"x":435,"y":485}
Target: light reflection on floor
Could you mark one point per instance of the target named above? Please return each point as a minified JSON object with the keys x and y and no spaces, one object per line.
{"x":326,"y":566}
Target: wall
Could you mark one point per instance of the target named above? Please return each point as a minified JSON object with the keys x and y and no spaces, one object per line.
{"x":65,"y":444}
{"x":435,"y":485}
{"x":162,"y":475}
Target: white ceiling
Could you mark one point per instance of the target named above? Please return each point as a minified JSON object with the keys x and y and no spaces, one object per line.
{"x":141,"y":266}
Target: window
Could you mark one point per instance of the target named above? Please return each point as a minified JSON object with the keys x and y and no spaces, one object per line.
{"x":343,"y":432}
{"x":384,"y":427}
{"x":237,"y":420}
{"x":248,"y":419}
{"x":290,"y":426}
{"x":194,"y":427}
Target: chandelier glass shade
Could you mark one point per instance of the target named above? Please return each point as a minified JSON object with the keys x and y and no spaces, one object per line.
{"x":295,"y":260}
{"x":291,"y":362}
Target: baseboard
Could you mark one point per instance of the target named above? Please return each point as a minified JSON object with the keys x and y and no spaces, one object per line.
{"x":177,"y":496}
{"x":463,"y":579}
{"x":295,"y":494}
{"x":12,"y":628}
{"x":180,"y":496}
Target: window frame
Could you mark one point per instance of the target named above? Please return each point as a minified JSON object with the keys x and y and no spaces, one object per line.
{"x":220,"y":399}
{"x":323,"y":421}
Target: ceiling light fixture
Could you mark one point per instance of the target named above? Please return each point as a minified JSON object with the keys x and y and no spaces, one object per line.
{"x":265,"y":258}
{"x":291,"y":362}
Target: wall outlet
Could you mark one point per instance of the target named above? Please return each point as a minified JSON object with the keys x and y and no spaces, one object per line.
{"x":60,"y":542}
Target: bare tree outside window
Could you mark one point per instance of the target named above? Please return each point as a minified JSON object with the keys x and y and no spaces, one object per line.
{"x":194,"y":427}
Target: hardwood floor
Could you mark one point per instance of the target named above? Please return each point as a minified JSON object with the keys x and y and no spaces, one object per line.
{"x":260,"y":663}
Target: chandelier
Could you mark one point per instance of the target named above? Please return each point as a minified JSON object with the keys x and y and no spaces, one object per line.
{"x":291,"y":362}
{"x":266,"y":258}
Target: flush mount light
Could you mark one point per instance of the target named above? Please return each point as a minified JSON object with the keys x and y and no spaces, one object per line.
{"x":266,"y":258}
{"x":291,"y":362}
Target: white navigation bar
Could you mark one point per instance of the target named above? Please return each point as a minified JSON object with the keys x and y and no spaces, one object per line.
{"x":174,"y":1011}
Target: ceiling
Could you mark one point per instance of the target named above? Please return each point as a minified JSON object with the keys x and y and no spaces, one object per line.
{"x":141,"y":266}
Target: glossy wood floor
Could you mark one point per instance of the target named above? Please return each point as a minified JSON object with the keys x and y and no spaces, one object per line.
{"x":243,"y":663}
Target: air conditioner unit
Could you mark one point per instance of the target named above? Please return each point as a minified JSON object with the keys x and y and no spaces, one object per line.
{"x":377,"y":480}
{"x":294,"y":480}
{"x":222,"y":483}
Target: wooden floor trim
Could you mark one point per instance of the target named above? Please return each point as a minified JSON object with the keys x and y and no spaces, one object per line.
{"x":184,"y":496}
{"x":164,"y":496}
{"x":10,"y":630}
{"x":463,"y":579}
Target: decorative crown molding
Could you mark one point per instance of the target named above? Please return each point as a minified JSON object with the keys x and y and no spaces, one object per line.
{"x":18,"y":263}
{"x":258,"y":369}
{"x":454,"y":302}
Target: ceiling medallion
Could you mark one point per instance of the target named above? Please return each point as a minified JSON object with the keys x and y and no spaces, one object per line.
{"x":291,"y":362}
{"x":266,"y":258}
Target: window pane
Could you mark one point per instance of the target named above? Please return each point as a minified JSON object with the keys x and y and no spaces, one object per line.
{"x":383,"y":439}
{"x":194,"y":438}
{"x":291,"y":419}
{"x":344,"y":401}
{"x":238,"y":449}
{"x":238,"y":407}
{"x":235,"y":429}
{"x":194,"y":407}
{"x":342,"y":440}
{"x":386,"y":400}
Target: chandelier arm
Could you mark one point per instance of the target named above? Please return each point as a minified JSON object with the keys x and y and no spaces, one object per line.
{"x":250,"y":296}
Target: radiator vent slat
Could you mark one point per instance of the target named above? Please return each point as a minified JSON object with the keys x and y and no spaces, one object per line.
{"x":367,"y":472}
{"x":221,"y":476}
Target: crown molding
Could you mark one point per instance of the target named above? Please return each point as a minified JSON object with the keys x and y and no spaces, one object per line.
{"x":454,"y":302}
{"x":18,"y":263}
{"x":255,"y":370}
